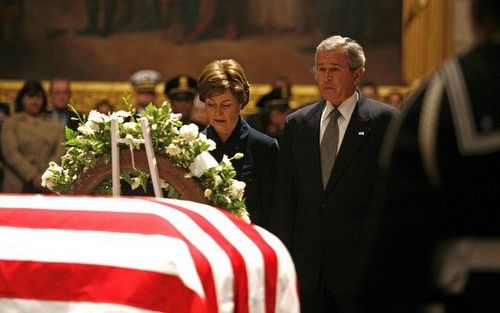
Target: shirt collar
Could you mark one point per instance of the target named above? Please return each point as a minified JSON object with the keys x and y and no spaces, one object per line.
{"x":345,"y":108}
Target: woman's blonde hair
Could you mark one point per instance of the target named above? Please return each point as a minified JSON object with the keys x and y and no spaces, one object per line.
{"x":221,"y":76}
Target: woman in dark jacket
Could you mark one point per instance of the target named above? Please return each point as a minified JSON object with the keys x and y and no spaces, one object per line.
{"x":224,"y":89}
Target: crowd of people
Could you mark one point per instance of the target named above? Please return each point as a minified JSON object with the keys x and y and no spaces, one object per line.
{"x":381,"y":211}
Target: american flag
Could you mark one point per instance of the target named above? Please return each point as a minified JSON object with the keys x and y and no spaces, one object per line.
{"x":137,"y":255}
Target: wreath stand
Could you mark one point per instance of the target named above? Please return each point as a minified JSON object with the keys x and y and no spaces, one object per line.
{"x":146,"y":160}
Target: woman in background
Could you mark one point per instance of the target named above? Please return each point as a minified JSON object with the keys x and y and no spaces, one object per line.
{"x":30,"y":140}
{"x":225,"y":91}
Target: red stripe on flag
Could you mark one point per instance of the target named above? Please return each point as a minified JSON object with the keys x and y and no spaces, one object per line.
{"x":270,"y":262}
{"x":237,"y":261}
{"x":141,"y":223}
{"x":99,"y":284}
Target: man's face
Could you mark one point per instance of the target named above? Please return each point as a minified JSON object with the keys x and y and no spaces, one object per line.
{"x":335,"y":80}
{"x":60,"y":94}
{"x":183,"y":107}
{"x":144,"y":98}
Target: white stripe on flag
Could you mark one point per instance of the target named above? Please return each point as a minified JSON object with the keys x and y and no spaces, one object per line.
{"x":251,"y":254}
{"x":40,"y":306}
{"x":218,"y":259}
{"x":155,"y":253}
{"x":287,"y":300}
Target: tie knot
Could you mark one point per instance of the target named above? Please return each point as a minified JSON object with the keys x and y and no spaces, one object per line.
{"x":334,"y":114}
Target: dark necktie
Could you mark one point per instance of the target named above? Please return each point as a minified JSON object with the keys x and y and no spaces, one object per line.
{"x":329,"y":145}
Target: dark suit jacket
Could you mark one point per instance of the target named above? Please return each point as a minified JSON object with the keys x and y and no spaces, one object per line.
{"x":324,"y":229}
{"x":257,"y":168}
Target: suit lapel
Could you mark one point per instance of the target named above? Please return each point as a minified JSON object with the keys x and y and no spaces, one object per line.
{"x":356,"y":133}
{"x":310,"y":137}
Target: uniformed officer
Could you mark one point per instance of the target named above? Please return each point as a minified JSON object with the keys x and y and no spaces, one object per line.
{"x":437,"y":244}
{"x":144,"y":83}
{"x":182,"y":91}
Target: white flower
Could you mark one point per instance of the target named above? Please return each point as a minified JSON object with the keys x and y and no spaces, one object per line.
{"x":207,"y":193}
{"x":154,"y":126}
{"x":211,"y":144}
{"x":175,"y":116}
{"x":130,"y":126}
{"x":48,"y":178}
{"x":201,"y":163}
{"x":120,"y":115}
{"x":89,"y":128}
{"x":129,"y":139}
{"x":238,"y":155}
{"x":189,"y":132}
{"x":173,"y":150}
{"x":237,"y":189}
{"x":136,"y":182}
{"x":226,"y":161}
{"x":97,"y":117}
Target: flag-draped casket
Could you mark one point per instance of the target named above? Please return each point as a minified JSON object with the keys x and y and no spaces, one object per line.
{"x":94,"y":254}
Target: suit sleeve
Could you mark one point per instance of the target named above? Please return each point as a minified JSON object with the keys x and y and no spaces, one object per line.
{"x":281,"y":216}
{"x":269,"y":179}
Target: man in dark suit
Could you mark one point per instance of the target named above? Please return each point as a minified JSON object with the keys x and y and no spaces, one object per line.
{"x":438,"y":221}
{"x":326,"y":172}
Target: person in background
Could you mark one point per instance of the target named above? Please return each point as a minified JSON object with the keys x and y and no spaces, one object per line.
{"x":30,"y":139}
{"x":369,"y":89}
{"x":181,"y":91}
{"x":104,"y":106}
{"x":4,"y":114}
{"x":225,"y":91}
{"x":144,"y":83}
{"x":199,"y":115}
{"x":275,"y":111}
{"x":60,"y":96}
{"x":281,"y":89}
{"x":394,"y":99}
{"x":327,"y":171}
{"x":436,"y":239}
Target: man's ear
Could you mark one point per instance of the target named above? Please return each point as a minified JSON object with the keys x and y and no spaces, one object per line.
{"x":358,"y":75}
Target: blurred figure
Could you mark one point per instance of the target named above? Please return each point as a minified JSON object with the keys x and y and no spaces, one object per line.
{"x":281,"y":89}
{"x":4,"y":114}
{"x":225,"y":91}
{"x":199,"y":115}
{"x":144,"y":83}
{"x":104,"y":106}
{"x":437,"y":246}
{"x":30,"y":139}
{"x":60,"y":96}
{"x":394,"y":99}
{"x":274,"y":112}
{"x":369,"y":89}
{"x":181,"y":91}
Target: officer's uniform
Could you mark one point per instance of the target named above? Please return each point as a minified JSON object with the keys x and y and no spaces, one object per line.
{"x":181,"y":91}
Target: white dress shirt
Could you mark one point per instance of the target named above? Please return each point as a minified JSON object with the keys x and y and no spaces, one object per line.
{"x":345,"y":108}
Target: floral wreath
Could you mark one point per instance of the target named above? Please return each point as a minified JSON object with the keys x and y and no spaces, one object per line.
{"x":183,"y":145}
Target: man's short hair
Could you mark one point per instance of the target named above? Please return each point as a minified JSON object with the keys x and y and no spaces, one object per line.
{"x":355,"y":54}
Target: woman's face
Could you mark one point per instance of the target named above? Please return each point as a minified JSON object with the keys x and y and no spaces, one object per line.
{"x":32,"y":104}
{"x":223,"y":112}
